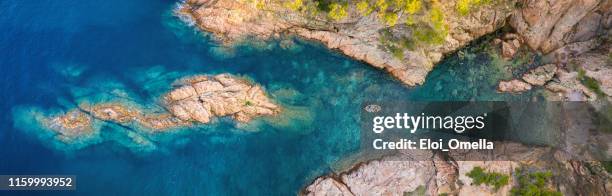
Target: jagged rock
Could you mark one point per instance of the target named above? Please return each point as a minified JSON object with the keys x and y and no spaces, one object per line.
{"x":549,"y":25}
{"x":508,"y":50}
{"x":513,"y":86}
{"x":509,"y":45}
{"x":540,"y":75}
{"x":596,"y":64}
{"x":70,"y":125}
{"x":327,"y":186}
{"x":569,"y":88}
{"x":379,"y":177}
{"x":446,"y":176}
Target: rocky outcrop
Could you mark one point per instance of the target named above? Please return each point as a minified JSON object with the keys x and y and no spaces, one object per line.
{"x":585,"y":76}
{"x":400,"y":175}
{"x":356,"y":36}
{"x":513,"y":86}
{"x":196,"y":99}
{"x":550,"y":25}
{"x":567,"y":87}
{"x":379,"y":177}
{"x":509,"y":45}
{"x":597,"y":64}
{"x":202,"y":98}
{"x":540,"y":75}
{"x":70,"y":125}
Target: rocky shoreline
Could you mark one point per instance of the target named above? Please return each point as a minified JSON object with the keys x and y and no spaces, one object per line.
{"x":402,"y":174}
{"x":566,"y":30}
{"x":196,"y":99}
{"x":355,"y":36}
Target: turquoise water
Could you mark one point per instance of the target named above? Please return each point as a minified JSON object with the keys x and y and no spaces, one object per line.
{"x":58,"y":53}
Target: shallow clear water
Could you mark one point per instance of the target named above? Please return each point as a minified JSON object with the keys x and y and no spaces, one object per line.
{"x":56,"y":53}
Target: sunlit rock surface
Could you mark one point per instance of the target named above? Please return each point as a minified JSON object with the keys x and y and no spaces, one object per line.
{"x":202,"y":98}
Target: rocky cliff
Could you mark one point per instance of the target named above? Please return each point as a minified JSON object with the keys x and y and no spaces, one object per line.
{"x":560,"y":29}
{"x":574,"y":38}
{"x":392,"y":47}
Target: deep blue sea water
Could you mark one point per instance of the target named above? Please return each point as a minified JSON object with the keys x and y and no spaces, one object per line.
{"x":56,"y":53}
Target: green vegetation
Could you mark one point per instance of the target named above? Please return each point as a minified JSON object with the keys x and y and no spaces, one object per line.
{"x":424,"y":19}
{"x":464,"y":7}
{"x":390,"y":18}
{"x":434,"y":33}
{"x":590,"y":83}
{"x":338,"y":11}
{"x":248,"y":103}
{"x":529,"y":183}
{"x":413,"y":6}
{"x":294,"y":5}
{"x":608,"y":166}
{"x":420,"y":190}
{"x":364,"y":8}
{"x":260,"y":4}
{"x":534,"y":183}
{"x":395,"y":45}
{"x":308,"y":7}
{"x":479,"y":176}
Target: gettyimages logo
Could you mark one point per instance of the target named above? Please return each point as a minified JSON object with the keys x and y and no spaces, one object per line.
{"x":486,"y":130}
